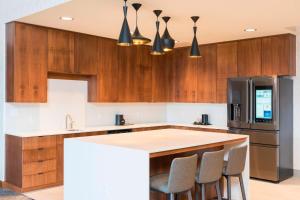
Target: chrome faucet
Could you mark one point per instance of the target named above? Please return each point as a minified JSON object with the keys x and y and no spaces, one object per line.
{"x":69,"y":122}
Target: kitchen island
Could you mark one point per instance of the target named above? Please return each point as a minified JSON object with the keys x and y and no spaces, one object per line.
{"x":119,"y":166}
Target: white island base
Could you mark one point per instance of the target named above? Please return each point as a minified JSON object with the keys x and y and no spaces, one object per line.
{"x":115,"y":167}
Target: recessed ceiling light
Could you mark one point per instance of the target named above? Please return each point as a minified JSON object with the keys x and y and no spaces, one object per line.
{"x":250,"y":29}
{"x":66,"y":18}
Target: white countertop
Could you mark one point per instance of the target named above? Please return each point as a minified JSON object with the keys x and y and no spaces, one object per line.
{"x":161,"y":140}
{"x":107,"y":128}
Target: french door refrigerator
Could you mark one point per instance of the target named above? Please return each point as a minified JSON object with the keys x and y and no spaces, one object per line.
{"x":262,"y":107}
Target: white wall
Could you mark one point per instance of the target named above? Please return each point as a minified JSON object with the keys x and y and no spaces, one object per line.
{"x":70,"y":97}
{"x":190,"y":112}
{"x":11,"y":10}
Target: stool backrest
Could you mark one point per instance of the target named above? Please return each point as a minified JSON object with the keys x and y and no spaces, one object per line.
{"x":236,"y":160}
{"x":211,"y":167}
{"x":182,"y":174}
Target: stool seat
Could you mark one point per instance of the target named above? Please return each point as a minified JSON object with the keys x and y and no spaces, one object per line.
{"x":160,"y":183}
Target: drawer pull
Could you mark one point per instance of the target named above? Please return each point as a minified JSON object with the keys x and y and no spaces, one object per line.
{"x":41,"y":173}
{"x":40,"y":149}
{"x":40,"y":161}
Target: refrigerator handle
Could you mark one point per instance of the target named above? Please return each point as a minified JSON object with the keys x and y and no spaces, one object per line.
{"x":250,"y":121}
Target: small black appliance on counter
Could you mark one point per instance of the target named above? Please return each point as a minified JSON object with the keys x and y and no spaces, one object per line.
{"x":120,"y":121}
{"x":204,"y":120}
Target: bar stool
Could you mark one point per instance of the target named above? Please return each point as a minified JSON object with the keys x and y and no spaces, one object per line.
{"x":234,"y":167}
{"x":210,"y":172}
{"x":180,"y":179}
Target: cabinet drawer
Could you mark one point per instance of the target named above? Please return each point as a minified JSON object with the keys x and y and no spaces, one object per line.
{"x":39,"y":167}
{"x":39,"y":179}
{"x":39,"y":142}
{"x":40,"y":154}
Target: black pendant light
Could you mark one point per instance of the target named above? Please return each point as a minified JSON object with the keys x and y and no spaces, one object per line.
{"x":167,"y":41}
{"x":195,"y":52}
{"x":125,"y":36}
{"x":137,"y":38}
{"x":157,"y":48}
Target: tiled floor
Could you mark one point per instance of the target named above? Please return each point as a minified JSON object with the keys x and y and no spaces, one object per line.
{"x":259,"y":190}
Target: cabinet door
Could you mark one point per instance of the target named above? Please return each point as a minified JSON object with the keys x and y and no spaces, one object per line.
{"x":107,"y":78}
{"x":226,"y":68}
{"x":279,"y":55}
{"x":26,"y":63}
{"x":207,"y":71}
{"x":128,"y":85}
{"x":249,"y":57}
{"x":185,"y":76}
{"x":144,"y":74}
{"x":86,"y":54}
{"x":60,"y":51}
{"x":162,"y":78}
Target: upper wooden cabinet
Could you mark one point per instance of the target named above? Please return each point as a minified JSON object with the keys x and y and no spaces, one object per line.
{"x":60,"y":51}
{"x":144,"y":74}
{"x":128,"y":75}
{"x":106,"y":82}
{"x":207,"y":74}
{"x":249,"y":57}
{"x":26,"y":63}
{"x":163,"y":78}
{"x":86,"y":54}
{"x":226,"y":68}
{"x":185,"y":76}
{"x":279,"y":55}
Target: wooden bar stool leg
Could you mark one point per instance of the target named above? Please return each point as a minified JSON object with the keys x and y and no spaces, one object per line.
{"x":228,"y":187}
{"x":242,"y":186}
{"x":203,"y":191}
{"x":218,"y":190}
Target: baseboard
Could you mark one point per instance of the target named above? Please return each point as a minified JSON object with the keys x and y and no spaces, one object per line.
{"x":297,"y":172}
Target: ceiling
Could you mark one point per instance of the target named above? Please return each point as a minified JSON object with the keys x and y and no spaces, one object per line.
{"x":220,"y":20}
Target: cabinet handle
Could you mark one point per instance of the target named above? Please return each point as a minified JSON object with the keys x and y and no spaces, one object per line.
{"x":40,"y":161}
{"x":40,"y":149}
{"x":41,"y":173}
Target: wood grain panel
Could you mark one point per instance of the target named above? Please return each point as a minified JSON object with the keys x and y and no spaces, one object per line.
{"x":13,"y":160}
{"x":249,"y":57}
{"x":144,"y":75}
{"x":108,"y":70}
{"x":226,"y":68}
{"x":276,"y":55}
{"x":32,"y":168}
{"x":128,"y":75}
{"x":185,"y":76}
{"x":39,"y":154}
{"x":39,"y":142}
{"x":86,"y":54}
{"x":206,"y":74}
{"x":27,"y":63}
{"x":60,"y":51}
{"x":39,"y":179}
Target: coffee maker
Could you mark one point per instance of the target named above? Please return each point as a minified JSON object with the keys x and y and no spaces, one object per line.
{"x":119,"y":120}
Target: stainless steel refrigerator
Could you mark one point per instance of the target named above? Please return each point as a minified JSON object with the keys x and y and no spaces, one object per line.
{"x":262,"y":107}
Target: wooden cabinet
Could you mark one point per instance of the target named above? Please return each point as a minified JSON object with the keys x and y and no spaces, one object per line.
{"x":249,"y":57}
{"x":86,"y":54}
{"x":144,"y":74}
{"x":26,"y":71}
{"x":185,"y":76}
{"x":106,"y":82}
{"x":206,"y":74}
{"x":163,"y":78}
{"x":31,"y":162}
{"x":60,"y":51}
{"x":279,"y":55}
{"x":226,"y":68}
{"x":128,"y":75}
